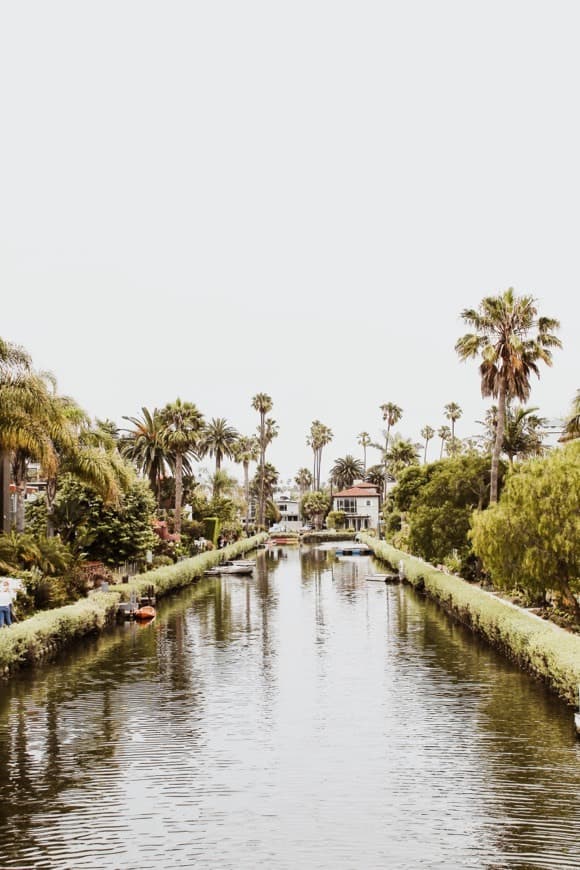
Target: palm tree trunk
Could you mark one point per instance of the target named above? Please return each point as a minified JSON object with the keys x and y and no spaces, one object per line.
{"x":493,"y":491}
{"x":386,"y":461}
{"x":51,"y":483}
{"x":246,"y":467}
{"x":178,"y":492}
{"x":19,"y":474}
{"x":425,"y":453}
{"x":218,"y":460}
{"x":365,"y":461}
{"x":4,"y":492}
{"x":441,"y":452}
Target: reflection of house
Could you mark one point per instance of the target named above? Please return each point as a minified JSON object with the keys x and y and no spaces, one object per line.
{"x":289,"y":512}
{"x":360,"y":503}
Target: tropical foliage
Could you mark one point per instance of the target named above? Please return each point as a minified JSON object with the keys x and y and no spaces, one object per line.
{"x":319,"y":437}
{"x":531,"y":539}
{"x":346,"y":470}
{"x":511,"y":339}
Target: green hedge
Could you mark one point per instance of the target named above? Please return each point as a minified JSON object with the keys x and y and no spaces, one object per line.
{"x":31,"y":640}
{"x":539,"y":646}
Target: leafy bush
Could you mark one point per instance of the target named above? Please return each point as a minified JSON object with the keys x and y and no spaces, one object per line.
{"x":336,"y":520}
{"x":211,"y":529}
{"x":531,"y":539}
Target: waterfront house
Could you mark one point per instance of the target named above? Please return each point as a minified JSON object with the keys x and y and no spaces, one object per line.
{"x":360,"y":503}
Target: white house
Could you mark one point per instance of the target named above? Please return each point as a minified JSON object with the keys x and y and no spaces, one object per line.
{"x":360,"y":503}
{"x":289,"y":512}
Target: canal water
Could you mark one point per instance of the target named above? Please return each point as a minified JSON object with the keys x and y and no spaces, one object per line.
{"x":299,"y":718}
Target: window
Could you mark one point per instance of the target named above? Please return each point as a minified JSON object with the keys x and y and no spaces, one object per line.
{"x":368,"y":503}
{"x":282,"y":507}
{"x":348,"y":505}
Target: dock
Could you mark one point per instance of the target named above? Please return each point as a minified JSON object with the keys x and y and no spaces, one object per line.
{"x":354,"y":550}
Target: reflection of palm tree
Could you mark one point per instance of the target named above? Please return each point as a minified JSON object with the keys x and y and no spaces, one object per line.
{"x":511,"y":340}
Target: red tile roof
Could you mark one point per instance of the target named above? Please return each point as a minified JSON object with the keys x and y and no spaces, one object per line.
{"x":361,"y":491}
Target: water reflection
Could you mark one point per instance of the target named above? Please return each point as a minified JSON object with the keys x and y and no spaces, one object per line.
{"x":301,"y":717}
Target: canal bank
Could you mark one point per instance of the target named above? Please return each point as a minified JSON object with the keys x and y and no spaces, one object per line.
{"x":543,"y":649}
{"x":44,"y":634}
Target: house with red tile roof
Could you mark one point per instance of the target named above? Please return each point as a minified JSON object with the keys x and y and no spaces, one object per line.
{"x":360,"y":503}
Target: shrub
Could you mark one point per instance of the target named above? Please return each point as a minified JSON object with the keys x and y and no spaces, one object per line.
{"x":211,"y":529}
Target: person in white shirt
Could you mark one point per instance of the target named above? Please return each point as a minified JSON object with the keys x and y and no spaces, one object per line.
{"x":6,"y":596}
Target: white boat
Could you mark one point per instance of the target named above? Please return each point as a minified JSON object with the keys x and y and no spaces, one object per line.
{"x":246,"y":563}
{"x":229,"y":568}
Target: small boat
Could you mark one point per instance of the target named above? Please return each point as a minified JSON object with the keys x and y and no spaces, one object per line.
{"x":383,"y":578}
{"x":245,"y":563}
{"x":229,"y":568}
{"x":145,"y":612}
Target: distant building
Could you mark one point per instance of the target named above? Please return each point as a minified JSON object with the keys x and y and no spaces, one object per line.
{"x":289,"y":512}
{"x":360,"y":503}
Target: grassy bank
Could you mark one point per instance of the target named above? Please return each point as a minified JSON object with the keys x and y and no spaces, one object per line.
{"x":43,"y":634}
{"x":542,"y":648}
{"x":326,"y":535}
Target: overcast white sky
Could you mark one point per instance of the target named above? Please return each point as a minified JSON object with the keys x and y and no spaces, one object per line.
{"x":212,"y":199}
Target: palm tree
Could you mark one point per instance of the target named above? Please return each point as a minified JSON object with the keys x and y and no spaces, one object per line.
{"x":376,"y":475}
{"x":402,"y":453}
{"x":262,"y":403}
{"x":453,"y":412}
{"x":182,"y":429}
{"x":364,"y":439}
{"x":320,"y":436}
{"x":511,"y":339}
{"x":572,"y":425}
{"x":346,"y":470}
{"x":303,"y":481}
{"x":427,"y":433}
{"x":391,"y":415}
{"x":247,"y":450}
{"x":219,"y":440}
{"x":444,"y":432}
{"x":523,"y":433}
{"x":144,"y":445}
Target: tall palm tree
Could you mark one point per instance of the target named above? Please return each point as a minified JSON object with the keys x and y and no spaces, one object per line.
{"x":182,"y":428}
{"x":319,"y":437}
{"x":303,"y":481}
{"x":391,"y":415}
{"x":346,"y":470}
{"x":364,"y":439}
{"x":376,"y":475}
{"x":262,"y":403}
{"x":219,"y":440}
{"x":511,"y":339}
{"x":144,"y":445}
{"x":444,"y":432}
{"x":427,"y":434}
{"x":453,"y":412}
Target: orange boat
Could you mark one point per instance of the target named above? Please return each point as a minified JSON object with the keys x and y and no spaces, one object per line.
{"x":146,"y":612}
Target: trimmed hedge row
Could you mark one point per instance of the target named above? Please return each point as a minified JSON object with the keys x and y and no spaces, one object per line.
{"x":31,"y":640}
{"x":538,"y":646}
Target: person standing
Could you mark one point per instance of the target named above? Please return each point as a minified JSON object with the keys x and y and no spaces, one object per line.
{"x":5,"y":602}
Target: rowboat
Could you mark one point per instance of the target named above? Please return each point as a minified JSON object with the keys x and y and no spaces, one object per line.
{"x":145,"y":612}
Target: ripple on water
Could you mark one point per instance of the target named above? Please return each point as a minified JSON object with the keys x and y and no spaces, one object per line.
{"x":295,"y":719}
